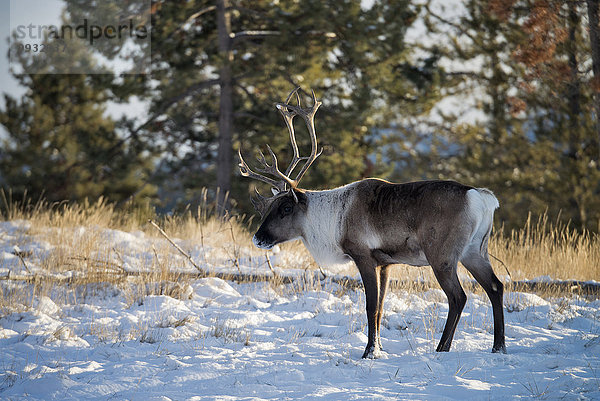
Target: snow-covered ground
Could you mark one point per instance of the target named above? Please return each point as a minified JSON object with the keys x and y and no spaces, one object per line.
{"x":252,"y":341}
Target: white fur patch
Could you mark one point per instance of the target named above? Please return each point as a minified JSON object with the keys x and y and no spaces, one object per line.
{"x":481,"y":204}
{"x":322,"y":228}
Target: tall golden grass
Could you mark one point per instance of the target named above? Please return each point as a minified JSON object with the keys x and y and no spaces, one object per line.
{"x":543,"y":248}
{"x":81,"y":250}
{"x":75,"y":233}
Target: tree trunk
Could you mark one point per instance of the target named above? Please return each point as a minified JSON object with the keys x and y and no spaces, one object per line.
{"x":575,"y":129}
{"x":574,"y":90}
{"x":225,"y":153}
{"x":592,"y":6}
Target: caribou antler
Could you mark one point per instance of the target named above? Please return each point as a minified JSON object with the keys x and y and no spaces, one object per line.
{"x":282,"y":181}
{"x":266,"y":168}
{"x":308,"y":115}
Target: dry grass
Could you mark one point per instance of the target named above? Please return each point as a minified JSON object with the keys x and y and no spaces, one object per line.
{"x":542,"y":248}
{"x":83,"y":248}
{"x":88,"y":247}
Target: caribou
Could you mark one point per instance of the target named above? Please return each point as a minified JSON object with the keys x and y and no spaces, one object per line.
{"x":377,"y":224}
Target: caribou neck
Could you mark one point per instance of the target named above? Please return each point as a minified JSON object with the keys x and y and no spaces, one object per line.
{"x":324,"y":225}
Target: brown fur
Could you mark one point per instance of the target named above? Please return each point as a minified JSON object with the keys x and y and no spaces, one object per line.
{"x":376,"y":224}
{"x":379,"y":224}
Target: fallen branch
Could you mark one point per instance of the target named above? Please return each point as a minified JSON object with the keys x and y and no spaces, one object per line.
{"x":97,"y":263}
{"x":269,"y":264}
{"x":502,"y":263}
{"x":559,"y":287}
{"x":184,"y":253}
{"x":17,"y":251}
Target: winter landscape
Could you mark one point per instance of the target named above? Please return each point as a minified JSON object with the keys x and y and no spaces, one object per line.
{"x":119,"y":314}
{"x":127,"y":269}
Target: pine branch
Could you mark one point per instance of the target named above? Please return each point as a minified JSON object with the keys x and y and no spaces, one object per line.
{"x":251,"y":35}
{"x":164,"y":106}
{"x":191,"y":18}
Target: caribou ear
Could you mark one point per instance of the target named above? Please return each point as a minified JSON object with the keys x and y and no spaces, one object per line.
{"x":300,"y":198}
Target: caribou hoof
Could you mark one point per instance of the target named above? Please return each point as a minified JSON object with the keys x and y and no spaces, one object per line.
{"x":501,"y":349}
{"x":372,"y":352}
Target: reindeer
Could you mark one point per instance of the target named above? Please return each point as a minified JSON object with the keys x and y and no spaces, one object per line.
{"x":376,"y":224}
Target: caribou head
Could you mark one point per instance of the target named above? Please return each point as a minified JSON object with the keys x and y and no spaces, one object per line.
{"x":283,"y":211}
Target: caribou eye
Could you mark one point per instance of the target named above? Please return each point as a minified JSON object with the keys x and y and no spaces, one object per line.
{"x":285,"y":210}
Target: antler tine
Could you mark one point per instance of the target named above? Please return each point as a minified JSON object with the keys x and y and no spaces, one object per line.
{"x":288,"y":117}
{"x":281,"y":180}
{"x":247,"y":172}
{"x":274,"y":170}
{"x":292,"y":93}
{"x":259,"y":202}
{"x":309,"y":118}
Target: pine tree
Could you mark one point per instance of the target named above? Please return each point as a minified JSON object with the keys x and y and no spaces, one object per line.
{"x":222,"y":65}
{"x":558,"y":97}
{"x":493,"y":151}
{"x":535,"y":145}
{"x":61,"y":145}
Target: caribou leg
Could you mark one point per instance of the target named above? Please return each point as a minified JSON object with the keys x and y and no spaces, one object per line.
{"x":480,"y":267}
{"x":367,"y":266}
{"x":383,"y":286}
{"x":446,"y":276}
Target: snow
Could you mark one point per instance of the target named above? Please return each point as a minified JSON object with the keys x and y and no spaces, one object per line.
{"x":257,"y":341}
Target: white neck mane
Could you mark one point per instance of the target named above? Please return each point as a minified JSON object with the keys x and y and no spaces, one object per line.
{"x":322,"y":229}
